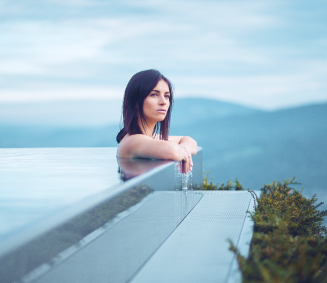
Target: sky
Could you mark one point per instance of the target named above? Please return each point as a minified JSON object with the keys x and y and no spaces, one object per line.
{"x":264,"y":54}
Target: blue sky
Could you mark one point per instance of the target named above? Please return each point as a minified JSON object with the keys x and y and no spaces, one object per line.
{"x":265,"y":54}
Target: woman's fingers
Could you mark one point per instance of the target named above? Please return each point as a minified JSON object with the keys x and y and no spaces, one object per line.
{"x":191,"y":162}
{"x":186,"y":165}
{"x":189,"y":155}
{"x":187,"y":162}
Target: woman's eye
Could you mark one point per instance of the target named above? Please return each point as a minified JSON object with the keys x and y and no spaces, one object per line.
{"x":167,"y":96}
{"x":153,"y":94}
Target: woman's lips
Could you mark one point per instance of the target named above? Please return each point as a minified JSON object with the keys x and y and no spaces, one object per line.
{"x":163,"y":111}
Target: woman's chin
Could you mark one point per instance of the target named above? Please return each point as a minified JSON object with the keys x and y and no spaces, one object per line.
{"x":161,"y":119}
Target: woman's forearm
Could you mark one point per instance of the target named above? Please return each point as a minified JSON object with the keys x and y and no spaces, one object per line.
{"x":189,"y":143}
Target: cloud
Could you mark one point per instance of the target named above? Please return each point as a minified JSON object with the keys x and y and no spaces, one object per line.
{"x":44,"y":44}
{"x":265,"y":92}
{"x":82,"y":3}
{"x":239,"y":51}
{"x":56,"y":92}
{"x":49,"y":43}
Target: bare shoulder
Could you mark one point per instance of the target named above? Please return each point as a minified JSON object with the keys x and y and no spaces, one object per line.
{"x":126,"y":145}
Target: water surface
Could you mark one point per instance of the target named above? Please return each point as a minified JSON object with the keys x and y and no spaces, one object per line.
{"x":38,"y":182}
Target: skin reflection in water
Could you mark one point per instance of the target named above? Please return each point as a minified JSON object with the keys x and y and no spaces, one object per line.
{"x":132,"y":167}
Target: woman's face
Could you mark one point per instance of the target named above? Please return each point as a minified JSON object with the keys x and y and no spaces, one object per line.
{"x":156,"y":104}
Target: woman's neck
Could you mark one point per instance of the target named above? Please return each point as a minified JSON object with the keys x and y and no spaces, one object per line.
{"x":147,"y":128}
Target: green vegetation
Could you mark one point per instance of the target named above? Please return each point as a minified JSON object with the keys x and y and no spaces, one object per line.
{"x":237,"y":186}
{"x":289,"y":243}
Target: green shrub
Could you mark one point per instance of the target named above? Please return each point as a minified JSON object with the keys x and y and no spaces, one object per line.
{"x":237,"y":186}
{"x":289,"y":243}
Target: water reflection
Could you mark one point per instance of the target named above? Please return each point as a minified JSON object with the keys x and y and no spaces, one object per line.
{"x":129,"y":168}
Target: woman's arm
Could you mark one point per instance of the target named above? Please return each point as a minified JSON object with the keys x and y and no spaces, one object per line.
{"x":145,"y":147}
{"x":187,"y":142}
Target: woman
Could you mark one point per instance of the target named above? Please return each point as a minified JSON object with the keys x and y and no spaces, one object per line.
{"x":147,"y":108}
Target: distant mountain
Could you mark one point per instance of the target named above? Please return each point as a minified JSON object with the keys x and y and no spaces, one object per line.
{"x":267,"y":146}
{"x":97,"y":113}
{"x":82,"y":113}
{"x":55,"y":136}
{"x":94,"y":123}
{"x":254,"y":146}
{"x":186,"y":111}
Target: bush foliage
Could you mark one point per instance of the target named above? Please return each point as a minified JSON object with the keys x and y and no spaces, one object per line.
{"x":289,"y":243}
{"x":237,"y":186}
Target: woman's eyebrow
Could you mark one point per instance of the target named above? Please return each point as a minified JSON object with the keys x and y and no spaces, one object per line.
{"x":159,"y":91}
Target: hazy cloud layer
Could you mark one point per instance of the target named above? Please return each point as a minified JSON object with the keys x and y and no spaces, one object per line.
{"x":265,"y":54}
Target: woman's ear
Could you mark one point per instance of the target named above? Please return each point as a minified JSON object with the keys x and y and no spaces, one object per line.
{"x":137,"y":110}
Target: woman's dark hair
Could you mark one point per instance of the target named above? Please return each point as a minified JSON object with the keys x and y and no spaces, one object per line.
{"x":137,"y":89}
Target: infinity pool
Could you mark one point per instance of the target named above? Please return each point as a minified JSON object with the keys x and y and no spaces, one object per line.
{"x":37,"y":182}
{"x":82,"y":215}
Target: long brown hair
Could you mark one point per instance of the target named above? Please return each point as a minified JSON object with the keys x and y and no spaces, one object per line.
{"x":137,"y":89}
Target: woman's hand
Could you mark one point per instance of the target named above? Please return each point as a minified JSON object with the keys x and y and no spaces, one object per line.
{"x":187,"y":162}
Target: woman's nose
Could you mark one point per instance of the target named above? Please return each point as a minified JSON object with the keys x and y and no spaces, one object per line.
{"x":162,"y":100}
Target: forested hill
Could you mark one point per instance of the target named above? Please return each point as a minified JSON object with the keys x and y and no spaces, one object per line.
{"x":263,"y":146}
{"x":266,"y":146}
{"x":255,"y":146}
{"x":187,"y":111}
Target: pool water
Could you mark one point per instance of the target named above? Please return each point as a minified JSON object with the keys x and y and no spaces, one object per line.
{"x":38,"y":182}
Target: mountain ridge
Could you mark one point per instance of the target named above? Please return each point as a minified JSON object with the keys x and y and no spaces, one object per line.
{"x":103,"y":112}
{"x":257,"y":147}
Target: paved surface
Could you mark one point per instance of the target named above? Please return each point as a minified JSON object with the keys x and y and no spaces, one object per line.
{"x":197,"y":251}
